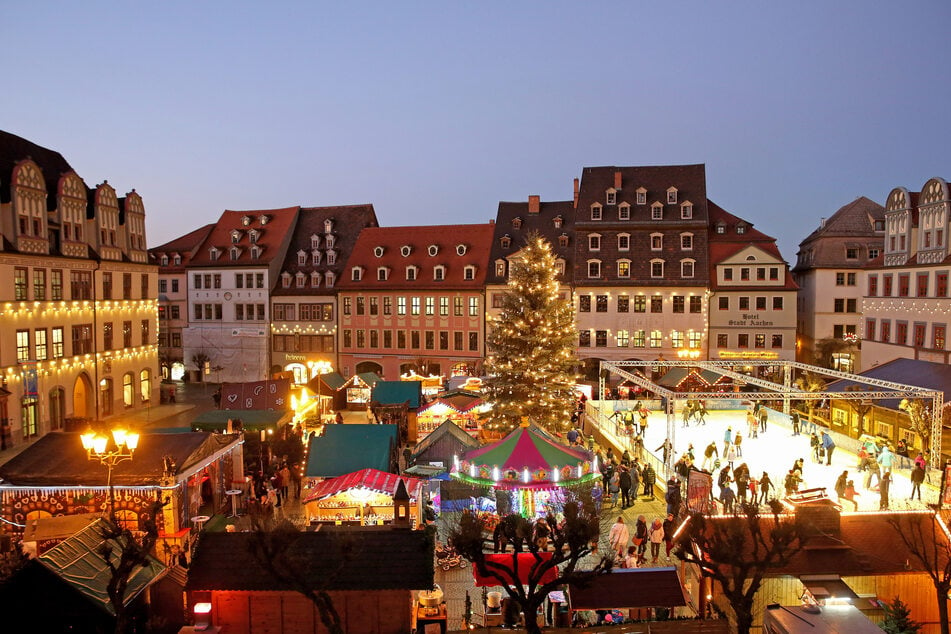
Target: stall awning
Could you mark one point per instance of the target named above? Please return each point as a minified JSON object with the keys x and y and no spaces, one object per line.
{"x":630,"y":588}
{"x":251,"y":419}
{"x":503,"y":564}
{"x":372,"y":479}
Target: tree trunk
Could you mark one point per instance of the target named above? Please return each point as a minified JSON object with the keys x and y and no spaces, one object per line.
{"x":530,"y":610}
{"x":943,"y":609}
{"x":743,"y":610}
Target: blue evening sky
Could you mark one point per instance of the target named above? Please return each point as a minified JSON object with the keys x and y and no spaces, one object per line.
{"x":436,"y":111}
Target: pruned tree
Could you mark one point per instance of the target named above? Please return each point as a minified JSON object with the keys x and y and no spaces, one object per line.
{"x":199,"y":360}
{"x":273,"y":545}
{"x":861,"y":407}
{"x":738,"y":551}
{"x":919,"y":415}
{"x":930,"y":546}
{"x":123,"y":553}
{"x":531,"y":345}
{"x":812,"y":383}
{"x":825,"y":348}
{"x":568,"y":545}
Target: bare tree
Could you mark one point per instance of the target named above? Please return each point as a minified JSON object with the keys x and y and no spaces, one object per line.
{"x":862,"y":407}
{"x":919,"y":414}
{"x":930,"y":546}
{"x":813,"y":383}
{"x":199,"y":359}
{"x":738,"y":551}
{"x":569,"y":544}
{"x":123,"y":553}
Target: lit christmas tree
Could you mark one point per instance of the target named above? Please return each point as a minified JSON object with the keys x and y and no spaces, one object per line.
{"x":531,"y":345}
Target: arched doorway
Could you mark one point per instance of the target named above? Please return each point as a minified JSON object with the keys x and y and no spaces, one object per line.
{"x":105,"y":397}
{"x":178,"y":371}
{"x":82,"y":397}
{"x":300,"y":372}
{"x":369,"y":366}
{"x":57,"y":407}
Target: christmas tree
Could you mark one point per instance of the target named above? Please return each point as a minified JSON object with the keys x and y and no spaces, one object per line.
{"x":898,"y":618}
{"x":531,"y":345}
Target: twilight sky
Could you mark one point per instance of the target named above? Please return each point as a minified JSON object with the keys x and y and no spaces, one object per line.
{"x":435,"y":111}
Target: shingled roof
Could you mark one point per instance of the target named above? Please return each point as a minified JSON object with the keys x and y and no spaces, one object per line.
{"x":689,"y":180}
{"x":345,"y":559}
{"x":14,"y":149}
{"x":272,"y":226}
{"x":852,"y":226}
{"x":60,"y":460}
{"x":516,"y":220}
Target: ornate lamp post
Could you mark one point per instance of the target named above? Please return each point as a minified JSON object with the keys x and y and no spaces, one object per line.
{"x":97,"y":448}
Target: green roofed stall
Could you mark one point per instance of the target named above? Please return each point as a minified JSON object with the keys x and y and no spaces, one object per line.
{"x":251,"y":419}
{"x":343,"y":449}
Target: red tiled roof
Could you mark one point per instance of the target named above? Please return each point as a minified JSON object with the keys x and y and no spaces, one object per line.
{"x":476,"y":239}
{"x":372,"y":479}
{"x":272,"y":236}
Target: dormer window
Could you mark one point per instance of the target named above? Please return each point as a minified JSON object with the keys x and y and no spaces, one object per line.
{"x":686,"y":211}
{"x":263,"y":219}
{"x":330,"y":278}
{"x":461,"y":249}
{"x":331,"y":258}
{"x":300,"y":278}
{"x":255,"y":252}
{"x":611,"y":197}
{"x":433,"y":250}
{"x":672,"y":196}
{"x":163,"y":260}
{"x":286,"y":279}
{"x":563,"y":240}
{"x":641,"y":196}
{"x":596,"y":211}
{"x":176,"y":259}
{"x":356,"y":274}
{"x":624,"y":211}
{"x":314,"y":279}
{"x":378,"y":251}
{"x":213,"y":254}
{"x":315,"y":241}
{"x":235,"y":253}
{"x":560,"y":266}
{"x":315,"y":257}
{"x":558,"y":221}
{"x":439,"y":273}
{"x":741,"y":228}
{"x":720,"y":228}
{"x":253,"y":236}
{"x":235,"y":237}
{"x":302,"y":258}
{"x":469,"y":272}
{"x":382,"y":274}
{"x":500,"y":268}
{"x":516,"y":223}
{"x":657,"y":211}
{"x":411,"y":273}
{"x":330,"y":241}
{"x":505,"y":242}
{"x":405,"y":250}
{"x":328,"y":225}
{"x":246,"y":220}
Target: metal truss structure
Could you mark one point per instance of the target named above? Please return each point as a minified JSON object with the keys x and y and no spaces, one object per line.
{"x":787,"y":390}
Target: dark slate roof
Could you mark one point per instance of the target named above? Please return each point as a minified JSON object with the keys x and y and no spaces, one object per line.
{"x":272,"y":239}
{"x":514,"y":221}
{"x":398,"y":392}
{"x":77,"y":561}
{"x":348,"y":222}
{"x":630,"y":588}
{"x":60,"y":460}
{"x":14,"y":149}
{"x":852,"y":225}
{"x":914,"y":372}
{"x":343,"y":449}
{"x":446,"y":239}
{"x":690,"y":181}
{"x":354,"y":559}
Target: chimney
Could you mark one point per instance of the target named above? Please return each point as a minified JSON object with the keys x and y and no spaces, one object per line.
{"x":617,"y":179}
{"x":576,"y":193}
{"x":822,"y":223}
{"x":534,"y":202}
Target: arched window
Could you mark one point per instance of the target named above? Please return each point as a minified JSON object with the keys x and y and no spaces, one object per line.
{"x":145,"y":385}
{"x":128,"y":396}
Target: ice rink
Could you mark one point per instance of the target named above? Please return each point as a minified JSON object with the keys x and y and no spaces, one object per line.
{"x":774,"y":452}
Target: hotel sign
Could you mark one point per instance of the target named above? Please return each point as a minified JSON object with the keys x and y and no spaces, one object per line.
{"x":748,"y":354}
{"x":749,"y":319}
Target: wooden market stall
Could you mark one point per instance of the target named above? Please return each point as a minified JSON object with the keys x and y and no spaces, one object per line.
{"x":362,"y":498}
{"x":463,"y":408}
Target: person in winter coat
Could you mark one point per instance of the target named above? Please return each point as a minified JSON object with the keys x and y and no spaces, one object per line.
{"x":619,"y":537}
{"x":655,"y":534}
{"x":917,"y":477}
{"x":708,"y":456}
{"x":840,"y":484}
{"x":635,"y":480}
{"x":727,"y":439}
{"x":883,"y":487}
{"x":738,"y":444}
{"x":792,"y":482}
{"x":624,"y":482}
{"x":631,"y":561}
{"x":850,"y":493}
{"x":765,"y":484}
{"x":650,"y":478}
{"x":669,"y":527}
{"x":742,"y":478}
{"x":640,"y":536}
{"x":673,"y":496}
{"x":828,"y":445}
{"x":815,"y":444}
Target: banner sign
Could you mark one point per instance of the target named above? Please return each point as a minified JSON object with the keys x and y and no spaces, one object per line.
{"x":699,"y":492}
{"x":273,"y":395}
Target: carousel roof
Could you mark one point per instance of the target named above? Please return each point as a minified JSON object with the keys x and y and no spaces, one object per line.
{"x":526,"y":449}
{"x":372,"y":479}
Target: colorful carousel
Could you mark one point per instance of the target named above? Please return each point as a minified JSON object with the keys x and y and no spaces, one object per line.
{"x":528,"y":471}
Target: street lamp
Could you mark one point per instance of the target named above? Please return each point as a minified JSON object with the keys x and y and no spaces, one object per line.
{"x":97,"y":448}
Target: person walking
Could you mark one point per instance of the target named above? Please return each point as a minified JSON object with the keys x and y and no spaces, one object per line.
{"x":624,"y":483}
{"x":917,"y":477}
{"x":635,"y":480}
{"x":640,"y":537}
{"x":795,"y":423}
{"x":669,"y":529}
{"x":840,"y":484}
{"x":765,"y":484}
{"x":738,"y":444}
{"x":650,"y":478}
{"x":727,"y":439}
{"x":763,"y":417}
{"x":815,"y":444}
{"x":701,"y":413}
{"x":751,"y":424}
{"x":655,"y":534}
{"x":618,"y":537}
{"x":673,"y":497}
{"x":828,"y":445}
{"x":883,"y":487}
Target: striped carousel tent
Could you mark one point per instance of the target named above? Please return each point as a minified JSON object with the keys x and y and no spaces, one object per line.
{"x":369,"y":479}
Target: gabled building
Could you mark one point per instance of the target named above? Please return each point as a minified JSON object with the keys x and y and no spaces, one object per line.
{"x":752,"y":294}
{"x":230,"y":277}
{"x":78,"y":325}
{"x":830,"y":273}
{"x":641,"y":268}
{"x":906,"y":306}
{"x":172,"y":258}
{"x":303,"y":301}
{"x":413,"y":299}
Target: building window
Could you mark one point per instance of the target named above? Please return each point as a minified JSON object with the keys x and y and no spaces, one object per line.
{"x":474,"y":307}
{"x":941,"y":284}
{"x":742,"y":340}
{"x":678,"y":304}
{"x":851,"y":253}
{"x":696,"y":304}
{"x":374,"y":305}
{"x":657,"y":269}
{"x":657,"y":339}
{"x":686,"y":241}
{"x":601,"y":304}
{"x":744,"y":303}
{"x":777,"y":341}
{"x":672,"y":196}
{"x":639,"y":340}
{"x":870,"y":329}
{"x":886,"y":331}
{"x":722,"y":341}
{"x":686,"y":211}
{"x":126,"y":334}
{"x":903,"y":284}
{"x":624,"y":242}
{"x":128,"y":393}
{"x":411,"y":273}
{"x":361,"y":305}
{"x":500,"y":268}
{"x":594,"y":269}
{"x":400,"y":305}
{"x":761,"y":274}
{"x":473,"y":342}
{"x":657,"y":211}
{"x":745,"y":274}
{"x":624,"y":212}
{"x":457,"y":307}
{"x":938,"y":336}
{"x":355,"y":274}
{"x":760,"y":303}
{"x":759,"y":340}
{"x":623,"y":304}
{"x":657,"y":242}
{"x":922,"y":283}
{"x":873,"y":285}
{"x":686,"y":269}
{"x":640,"y":304}
{"x":657,"y":304}
{"x":886,"y":285}
{"x":901,"y":332}
{"x":723,"y":303}
{"x":57,"y":339}
{"x":622,"y":338}
{"x":39,"y":284}
{"x":414,"y":306}
{"x":468,"y":273}
{"x":56,"y":285}
{"x":439,"y":273}
{"x":430,"y":306}
{"x":624,"y":269}
{"x":596,"y":211}
{"x":584,"y":338}
{"x":641,"y":196}
{"x":601,"y":339}
{"x":107,"y":336}
{"x":594,"y":242}
{"x":611,"y":198}
{"x":23,"y":345}
{"x":676,"y":339}
{"x":778,"y":303}
{"x":919,"y":334}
